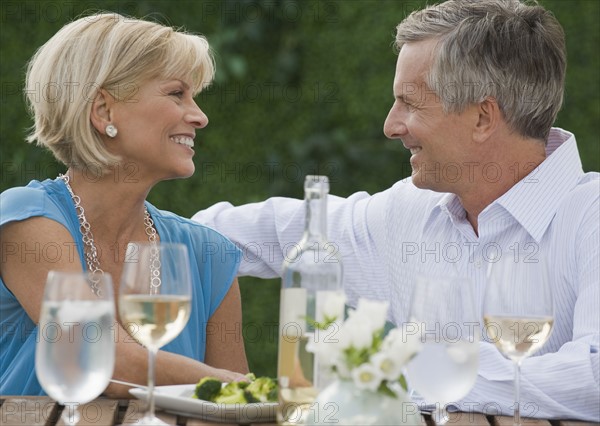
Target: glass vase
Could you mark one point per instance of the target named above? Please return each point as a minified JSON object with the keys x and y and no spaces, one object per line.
{"x":343,"y":403}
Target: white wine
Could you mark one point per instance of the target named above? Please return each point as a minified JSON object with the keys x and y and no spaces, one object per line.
{"x":518,"y":337}
{"x":297,"y":391}
{"x":154,"y":320}
{"x":301,"y":375}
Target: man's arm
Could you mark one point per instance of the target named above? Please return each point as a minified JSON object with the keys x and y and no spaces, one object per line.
{"x":266,"y":231}
{"x":564,"y":384}
{"x":260,"y":230}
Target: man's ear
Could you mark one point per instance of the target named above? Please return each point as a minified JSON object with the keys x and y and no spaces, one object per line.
{"x":101,"y":114}
{"x":489,"y":116}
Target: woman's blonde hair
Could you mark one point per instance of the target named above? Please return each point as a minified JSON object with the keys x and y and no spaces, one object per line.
{"x":103,"y":51}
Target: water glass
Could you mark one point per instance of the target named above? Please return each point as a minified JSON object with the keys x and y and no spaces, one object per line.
{"x":444,"y":317}
{"x":75,"y":351}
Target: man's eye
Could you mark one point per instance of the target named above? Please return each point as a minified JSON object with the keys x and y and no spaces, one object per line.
{"x":410,"y":107}
{"x":407,"y":105}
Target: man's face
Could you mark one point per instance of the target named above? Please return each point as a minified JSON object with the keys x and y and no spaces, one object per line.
{"x":441,"y":144}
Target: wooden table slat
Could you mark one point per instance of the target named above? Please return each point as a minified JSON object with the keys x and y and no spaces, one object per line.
{"x":576,"y":423}
{"x":134,"y":412}
{"x":100,"y":412}
{"x":42,"y":411}
{"x":508,"y":421}
{"x":472,"y":419}
{"x":198,"y":422}
{"x":17,"y":411}
{"x":136,"y":409}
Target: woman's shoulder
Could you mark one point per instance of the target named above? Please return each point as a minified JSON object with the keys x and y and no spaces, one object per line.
{"x":35,"y":199}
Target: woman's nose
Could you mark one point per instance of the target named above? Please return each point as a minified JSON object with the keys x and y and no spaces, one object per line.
{"x":196,"y":116}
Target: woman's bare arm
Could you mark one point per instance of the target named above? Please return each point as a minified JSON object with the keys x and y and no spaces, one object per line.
{"x":24,"y":268}
{"x":224,"y":340}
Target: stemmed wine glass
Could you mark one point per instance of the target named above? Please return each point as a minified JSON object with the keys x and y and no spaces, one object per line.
{"x":443,"y":315}
{"x":75,"y":352}
{"x":518,"y":310}
{"x":155,"y":301}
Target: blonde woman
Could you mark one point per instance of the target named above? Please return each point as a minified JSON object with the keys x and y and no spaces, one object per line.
{"x":113,"y":99}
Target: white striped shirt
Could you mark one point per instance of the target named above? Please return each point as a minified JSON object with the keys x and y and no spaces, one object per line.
{"x":387,"y":238}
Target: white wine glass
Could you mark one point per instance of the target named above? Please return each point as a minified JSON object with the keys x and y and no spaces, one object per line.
{"x":155,"y":301}
{"x":518,"y":309}
{"x":75,"y":351}
{"x":444,"y":316}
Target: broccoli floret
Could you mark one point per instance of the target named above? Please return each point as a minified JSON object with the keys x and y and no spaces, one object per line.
{"x":264,"y":389}
{"x":273,"y":396}
{"x":231,"y":393}
{"x":208,"y":388}
{"x":242,"y":385}
{"x":249,"y":397}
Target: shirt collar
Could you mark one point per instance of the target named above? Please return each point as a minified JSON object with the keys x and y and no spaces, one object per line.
{"x":532,"y":201}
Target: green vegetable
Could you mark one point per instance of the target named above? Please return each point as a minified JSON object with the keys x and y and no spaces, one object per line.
{"x":262,"y":389}
{"x":231,"y":393}
{"x":250,"y":398}
{"x":207,"y":388}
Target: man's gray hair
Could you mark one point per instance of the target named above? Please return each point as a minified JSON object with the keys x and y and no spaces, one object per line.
{"x":503,"y":49}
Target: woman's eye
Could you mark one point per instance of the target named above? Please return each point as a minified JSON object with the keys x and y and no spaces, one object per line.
{"x":177,"y":93}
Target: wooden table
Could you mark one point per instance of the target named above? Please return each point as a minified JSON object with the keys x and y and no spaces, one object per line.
{"x":43,"y":411}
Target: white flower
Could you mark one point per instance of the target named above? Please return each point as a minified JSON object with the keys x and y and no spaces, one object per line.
{"x":373,"y":312}
{"x":333,"y":306}
{"x":355,"y":333}
{"x":403,"y":342}
{"x":388,"y":364}
{"x":355,"y":348}
{"x":325,"y":345}
{"x":367,"y":376}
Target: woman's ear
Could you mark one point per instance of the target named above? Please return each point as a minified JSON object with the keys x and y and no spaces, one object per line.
{"x":489,"y":116}
{"x":101,"y":114}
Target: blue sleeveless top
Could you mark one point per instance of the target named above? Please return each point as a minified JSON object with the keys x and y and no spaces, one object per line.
{"x":214,"y":262}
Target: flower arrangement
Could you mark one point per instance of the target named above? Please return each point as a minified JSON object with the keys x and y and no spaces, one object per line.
{"x":356,"y":349}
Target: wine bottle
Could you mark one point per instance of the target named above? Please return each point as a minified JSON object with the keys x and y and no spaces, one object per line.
{"x":311,"y":273}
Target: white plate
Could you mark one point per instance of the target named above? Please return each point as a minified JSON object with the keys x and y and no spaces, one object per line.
{"x":178,"y":399}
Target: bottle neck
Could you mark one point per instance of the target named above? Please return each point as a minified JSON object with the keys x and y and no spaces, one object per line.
{"x":315,"y":228}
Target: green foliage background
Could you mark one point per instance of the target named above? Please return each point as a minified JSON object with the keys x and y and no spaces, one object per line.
{"x":302,"y":87}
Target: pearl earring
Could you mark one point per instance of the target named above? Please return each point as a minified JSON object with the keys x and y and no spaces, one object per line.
{"x":111,"y":131}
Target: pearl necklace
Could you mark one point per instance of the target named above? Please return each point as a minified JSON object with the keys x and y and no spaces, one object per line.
{"x":90,"y":251}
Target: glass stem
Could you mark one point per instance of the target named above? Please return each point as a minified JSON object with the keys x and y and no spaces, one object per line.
{"x":440,"y":415}
{"x":151,"y":362}
{"x":517,"y":415}
{"x":70,"y":414}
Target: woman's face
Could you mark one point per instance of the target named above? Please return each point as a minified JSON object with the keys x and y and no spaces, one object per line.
{"x":156,"y":130}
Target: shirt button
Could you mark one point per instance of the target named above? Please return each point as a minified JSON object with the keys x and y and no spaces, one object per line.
{"x":478,"y":264}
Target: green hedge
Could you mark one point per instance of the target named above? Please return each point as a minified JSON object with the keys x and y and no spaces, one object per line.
{"x":302,"y":87}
